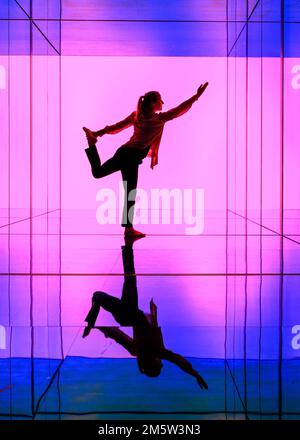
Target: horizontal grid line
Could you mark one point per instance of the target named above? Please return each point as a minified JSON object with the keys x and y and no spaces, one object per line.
{"x":141,"y":274}
{"x":265,"y":227}
{"x":27,"y":218}
{"x":80,"y":326}
{"x":147,"y":235}
{"x":120,"y":20}
{"x":233,"y":412}
{"x":168,"y":412}
{"x":27,"y":416}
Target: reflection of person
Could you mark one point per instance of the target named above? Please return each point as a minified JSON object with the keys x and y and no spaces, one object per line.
{"x":147,"y":343}
{"x":148,"y":128}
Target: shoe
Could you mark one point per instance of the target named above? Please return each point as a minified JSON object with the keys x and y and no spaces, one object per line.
{"x":131,"y":232}
{"x":130,"y":239}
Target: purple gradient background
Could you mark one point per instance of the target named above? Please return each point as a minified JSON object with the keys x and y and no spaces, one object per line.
{"x":192,"y":150}
{"x":101,"y":90}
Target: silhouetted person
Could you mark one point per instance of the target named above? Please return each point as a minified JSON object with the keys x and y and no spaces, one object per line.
{"x":147,"y":344}
{"x":148,"y":128}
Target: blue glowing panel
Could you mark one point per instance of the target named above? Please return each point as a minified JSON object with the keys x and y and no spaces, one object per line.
{"x":40,"y":44}
{"x":164,"y":35}
{"x":49,"y":38}
{"x":177,"y":10}
{"x":291,"y":10}
{"x":14,"y":37}
{"x":264,"y":39}
{"x":47,"y":9}
{"x":144,"y":38}
{"x":24,"y":5}
{"x":10,"y":9}
{"x":118,"y":386}
{"x":291,"y":40}
{"x":238,"y":45}
{"x":272,"y":10}
{"x":236,"y":31}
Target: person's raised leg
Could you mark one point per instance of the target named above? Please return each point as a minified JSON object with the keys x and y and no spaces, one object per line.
{"x":99,"y":170}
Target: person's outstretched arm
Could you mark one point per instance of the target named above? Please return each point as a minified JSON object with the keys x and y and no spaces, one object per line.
{"x":185,"y":365}
{"x":120,"y":337}
{"x":116,"y":128}
{"x":184,"y":106}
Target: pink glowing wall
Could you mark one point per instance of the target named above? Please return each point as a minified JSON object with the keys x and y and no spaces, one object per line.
{"x":30,"y":130}
{"x":102,"y":90}
{"x":254,"y":113}
{"x":97,"y":91}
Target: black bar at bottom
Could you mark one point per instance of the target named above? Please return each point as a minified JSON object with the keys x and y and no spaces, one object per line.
{"x":132,"y":429}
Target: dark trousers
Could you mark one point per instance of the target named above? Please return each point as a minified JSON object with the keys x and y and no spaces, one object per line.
{"x":125,"y":310}
{"x":126,"y":160}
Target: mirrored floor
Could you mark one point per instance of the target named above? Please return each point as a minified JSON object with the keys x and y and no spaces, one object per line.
{"x":171,"y":325}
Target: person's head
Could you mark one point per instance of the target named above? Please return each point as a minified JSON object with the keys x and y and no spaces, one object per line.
{"x":149,"y":103}
{"x":149,"y":365}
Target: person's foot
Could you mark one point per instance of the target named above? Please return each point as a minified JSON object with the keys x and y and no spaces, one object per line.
{"x":86,"y":331}
{"x":131,"y":232}
{"x":130,"y":239}
{"x":91,"y":138}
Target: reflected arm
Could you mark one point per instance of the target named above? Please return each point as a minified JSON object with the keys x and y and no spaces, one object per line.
{"x":184,"y":365}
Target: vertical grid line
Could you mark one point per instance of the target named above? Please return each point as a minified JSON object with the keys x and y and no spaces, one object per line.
{"x":60,"y":188}
{"x":226,"y":247}
{"x":31,"y":208}
{"x":260,"y":212}
{"x":9,"y":207}
{"x":235,"y":186}
{"x":59,"y":395}
{"x":246,"y":213}
{"x":9,"y":162}
{"x":47,"y":183}
{"x":282,"y":53}
{"x":60,"y":174}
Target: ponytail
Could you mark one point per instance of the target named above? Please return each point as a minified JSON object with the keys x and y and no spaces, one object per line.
{"x":145,"y":102}
{"x":139,"y":110}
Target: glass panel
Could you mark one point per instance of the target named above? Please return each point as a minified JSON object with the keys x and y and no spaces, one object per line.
{"x":144,"y":39}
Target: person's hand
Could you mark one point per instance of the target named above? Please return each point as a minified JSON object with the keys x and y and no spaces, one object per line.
{"x":201,"y":382}
{"x":153,"y":307}
{"x":201,"y":89}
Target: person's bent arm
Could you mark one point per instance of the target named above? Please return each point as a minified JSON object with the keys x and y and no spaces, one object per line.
{"x":116,"y":128}
{"x":184,"y":106}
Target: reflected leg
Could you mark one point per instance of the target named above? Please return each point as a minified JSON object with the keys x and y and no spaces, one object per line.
{"x":129,"y":292}
{"x":102,"y":299}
